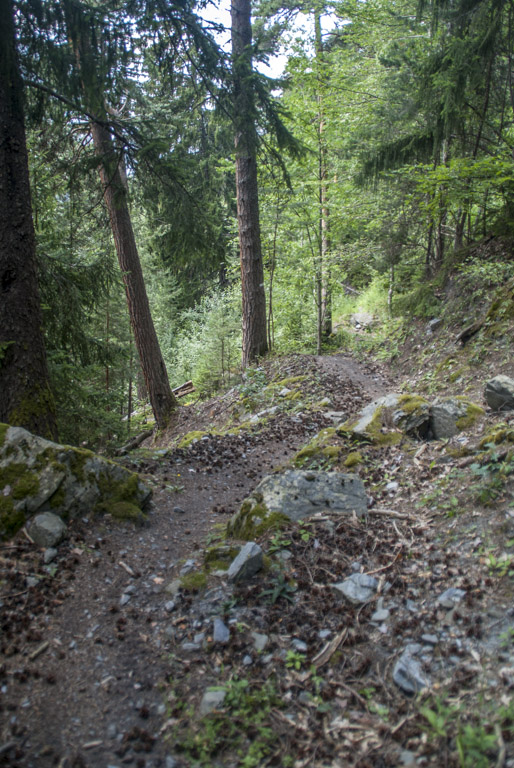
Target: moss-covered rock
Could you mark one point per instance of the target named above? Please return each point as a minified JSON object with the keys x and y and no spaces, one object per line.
{"x":412,"y":415}
{"x":374,"y":423}
{"x":450,"y":415}
{"x":37,"y":475}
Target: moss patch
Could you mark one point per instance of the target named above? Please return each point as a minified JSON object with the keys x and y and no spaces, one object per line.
{"x":353,"y":458}
{"x":194,"y":581}
{"x":412,"y":403}
{"x":375,"y":432}
{"x":190,"y":438}
{"x":500,"y":433}
{"x":220,"y":557}
{"x":316,"y":447}
{"x":473,"y":412}
{"x":11,"y":519}
{"x":3,"y":433}
{"x":253,"y":520}
{"x":22,"y":481}
{"x":123,"y":510}
{"x":289,"y":381}
{"x":37,"y":407}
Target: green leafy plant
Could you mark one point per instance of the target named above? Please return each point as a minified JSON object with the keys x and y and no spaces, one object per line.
{"x":294,"y":660}
{"x":282,"y":589}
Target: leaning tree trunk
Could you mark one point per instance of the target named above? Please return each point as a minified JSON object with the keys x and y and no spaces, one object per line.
{"x":152,"y":364}
{"x":25,"y":397}
{"x":252,"y":272}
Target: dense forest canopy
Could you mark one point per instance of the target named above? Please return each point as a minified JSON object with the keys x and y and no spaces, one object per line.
{"x":384,"y":150}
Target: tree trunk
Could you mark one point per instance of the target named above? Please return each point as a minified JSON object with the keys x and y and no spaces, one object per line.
{"x":252,"y":272}
{"x":325,"y":317}
{"x":25,"y":397}
{"x":162,"y":399}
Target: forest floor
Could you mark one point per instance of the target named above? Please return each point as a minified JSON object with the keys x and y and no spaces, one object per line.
{"x":107,"y":657}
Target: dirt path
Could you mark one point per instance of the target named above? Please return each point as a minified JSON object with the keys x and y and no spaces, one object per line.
{"x":86,"y":651}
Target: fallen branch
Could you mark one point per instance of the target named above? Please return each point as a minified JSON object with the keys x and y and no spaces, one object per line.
{"x":328,"y":651}
{"x":42,"y":648}
{"x":389,"y":513}
{"x":134,"y":442}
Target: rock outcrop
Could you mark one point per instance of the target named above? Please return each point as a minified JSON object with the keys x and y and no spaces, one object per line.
{"x":38,"y":476}
{"x":385,"y":420}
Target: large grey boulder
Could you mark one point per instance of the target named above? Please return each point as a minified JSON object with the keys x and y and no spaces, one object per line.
{"x":296,"y":495}
{"x":39,"y":476}
{"x":299,"y":494}
{"x":499,"y":393}
{"x":450,"y":415}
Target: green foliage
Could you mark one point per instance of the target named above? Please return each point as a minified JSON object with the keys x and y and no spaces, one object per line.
{"x":208,"y":349}
{"x":239,"y":729}
{"x":282,"y":589}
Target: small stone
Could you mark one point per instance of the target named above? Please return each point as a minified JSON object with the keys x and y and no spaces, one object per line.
{"x":124,"y":599}
{"x":112,"y":731}
{"x":323,"y":634}
{"x":188,"y":566}
{"x":247,"y":563}
{"x":49,"y":555}
{"x":179,"y":511}
{"x":451,"y":597}
{"x":408,"y":673}
{"x":299,"y":645}
{"x":130,"y":590}
{"x":407,"y":758}
{"x":381,"y":615}
{"x":170,"y":762}
{"x":47,"y":529}
{"x":259,"y":641}
{"x":211,"y":701}
{"x":221,"y":633}
{"x":430,"y":639}
{"x":170,"y":606}
{"x":188,"y":646}
{"x":32,"y":581}
{"x":392,"y":486}
{"x":284,"y":392}
{"x":199,"y":638}
{"x":247,"y":660}
{"x":173,"y":587}
{"x":359,"y":588}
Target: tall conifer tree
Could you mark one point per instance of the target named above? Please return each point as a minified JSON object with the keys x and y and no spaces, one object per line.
{"x":252,"y":273}
{"x":25,"y":397}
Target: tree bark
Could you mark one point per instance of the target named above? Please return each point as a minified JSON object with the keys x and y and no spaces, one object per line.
{"x":161,"y":397}
{"x":252,"y":272}
{"x":25,"y":397}
{"x":113,"y":179}
{"x":325,"y":318}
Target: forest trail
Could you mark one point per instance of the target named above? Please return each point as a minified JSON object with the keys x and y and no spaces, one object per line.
{"x":83,"y":681}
